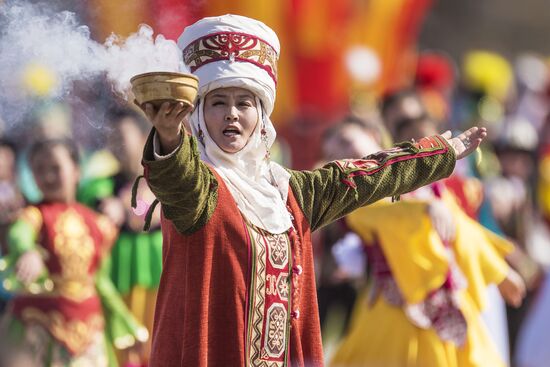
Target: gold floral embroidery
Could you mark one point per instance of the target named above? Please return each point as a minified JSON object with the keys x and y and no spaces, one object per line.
{"x":75,"y":334}
{"x":75,"y":250}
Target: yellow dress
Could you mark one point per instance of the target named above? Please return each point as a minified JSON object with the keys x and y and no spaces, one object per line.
{"x":382,"y":335}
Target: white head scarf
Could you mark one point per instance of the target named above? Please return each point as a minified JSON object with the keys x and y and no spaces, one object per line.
{"x":236,"y":51}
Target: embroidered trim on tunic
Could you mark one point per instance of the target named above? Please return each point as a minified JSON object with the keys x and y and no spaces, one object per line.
{"x":373,"y":163}
{"x":268,"y":321}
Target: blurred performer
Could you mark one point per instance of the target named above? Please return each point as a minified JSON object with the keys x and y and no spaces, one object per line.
{"x":468,"y":192}
{"x":512,"y":201}
{"x":65,"y":307}
{"x":401,"y":105}
{"x":429,"y":265}
{"x":353,"y":138}
{"x":136,"y":255}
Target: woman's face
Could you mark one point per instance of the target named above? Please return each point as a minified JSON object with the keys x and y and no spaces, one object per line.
{"x":55,"y":174}
{"x":231,"y":116}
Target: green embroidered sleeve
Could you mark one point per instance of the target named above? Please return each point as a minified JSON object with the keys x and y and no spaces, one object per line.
{"x":183,"y":184}
{"x":340,"y":187}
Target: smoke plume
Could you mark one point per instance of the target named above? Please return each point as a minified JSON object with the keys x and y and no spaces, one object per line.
{"x":43,"y":52}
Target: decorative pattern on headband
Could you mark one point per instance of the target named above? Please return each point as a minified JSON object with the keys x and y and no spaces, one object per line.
{"x":231,"y":46}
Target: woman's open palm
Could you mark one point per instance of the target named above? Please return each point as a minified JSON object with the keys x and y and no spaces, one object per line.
{"x":467,"y":142}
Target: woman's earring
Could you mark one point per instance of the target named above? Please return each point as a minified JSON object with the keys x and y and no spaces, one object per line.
{"x":264,"y":138}
{"x":263,"y":133}
{"x":201,"y":136}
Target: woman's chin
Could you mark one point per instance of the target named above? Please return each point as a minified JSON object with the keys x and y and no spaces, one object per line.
{"x":232,"y":148}
{"x":231,"y":145}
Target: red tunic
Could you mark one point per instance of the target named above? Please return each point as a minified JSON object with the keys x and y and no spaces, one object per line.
{"x":202,"y":301}
{"x":74,"y":244}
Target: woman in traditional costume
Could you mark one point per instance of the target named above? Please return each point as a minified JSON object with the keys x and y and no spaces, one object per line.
{"x":238,"y":285}
{"x":65,"y":309}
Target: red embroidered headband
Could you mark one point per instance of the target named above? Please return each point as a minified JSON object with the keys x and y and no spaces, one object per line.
{"x":232,"y":46}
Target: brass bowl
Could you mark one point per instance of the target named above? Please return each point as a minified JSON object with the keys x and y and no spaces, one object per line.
{"x":159,"y":87}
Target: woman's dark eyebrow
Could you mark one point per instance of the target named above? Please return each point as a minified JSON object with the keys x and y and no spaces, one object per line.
{"x":242,"y":96}
{"x":217,"y":95}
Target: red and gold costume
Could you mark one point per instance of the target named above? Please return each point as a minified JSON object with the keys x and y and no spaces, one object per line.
{"x":76,"y":309}
{"x":74,"y":240}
